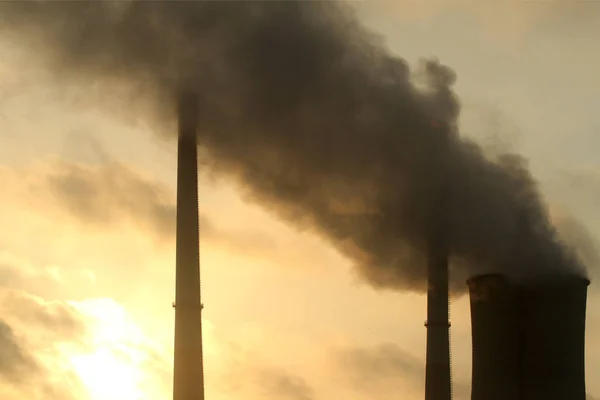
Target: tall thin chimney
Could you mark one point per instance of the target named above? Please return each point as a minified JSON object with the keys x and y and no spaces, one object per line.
{"x":438,"y":379}
{"x":188,"y":371}
{"x":438,"y":384}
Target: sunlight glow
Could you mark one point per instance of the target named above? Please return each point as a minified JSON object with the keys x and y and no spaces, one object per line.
{"x":112,"y":369}
{"x":106,"y":376}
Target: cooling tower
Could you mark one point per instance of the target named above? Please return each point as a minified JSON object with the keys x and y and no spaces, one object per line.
{"x":437,"y":365}
{"x":553,"y":339}
{"x":188,"y":374}
{"x":495,"y":338}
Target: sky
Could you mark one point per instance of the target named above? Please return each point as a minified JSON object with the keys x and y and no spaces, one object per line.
{"x":87,"y":222}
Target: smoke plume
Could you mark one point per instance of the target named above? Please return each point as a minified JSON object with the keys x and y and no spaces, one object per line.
{"x":316,"y":120}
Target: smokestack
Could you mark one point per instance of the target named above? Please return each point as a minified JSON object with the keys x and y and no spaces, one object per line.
{"x":495,"y":337}
{"x":438,"y":379}
{"x":528,"y":338}
{"x":437,"y":367}
{"x":553,"y":338}
{"x":188,"y":372}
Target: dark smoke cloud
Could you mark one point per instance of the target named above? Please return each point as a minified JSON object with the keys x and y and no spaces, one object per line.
{"x":307,"y":110}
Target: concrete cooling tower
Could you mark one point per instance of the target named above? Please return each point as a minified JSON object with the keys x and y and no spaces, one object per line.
{"x":553,"y":339}
{"x":495,"y":336}
{"x":528,"y":339}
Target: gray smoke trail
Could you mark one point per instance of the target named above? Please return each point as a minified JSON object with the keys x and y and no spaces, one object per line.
{"x":317,"y":121}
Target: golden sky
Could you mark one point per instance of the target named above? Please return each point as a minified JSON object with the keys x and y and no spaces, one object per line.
{"x":87,"y":218}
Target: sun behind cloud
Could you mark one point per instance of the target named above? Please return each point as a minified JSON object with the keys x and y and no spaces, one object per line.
{"x":106,"y":376}
{"x":114,"y":366}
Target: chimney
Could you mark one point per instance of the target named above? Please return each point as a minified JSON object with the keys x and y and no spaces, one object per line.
{"x":438,"y":384}
{"x":553,"y":338}
{"x":188,"y":373}
{"x":495,"y":338}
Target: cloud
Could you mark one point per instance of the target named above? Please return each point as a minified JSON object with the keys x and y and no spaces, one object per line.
{"x":253,"y":381}
{"x":284,"y":385}
{"x":579,"y":238}
{"x":104,"y":194}
{"x":32,"y":332}
{"x":56,"y":349}
{"x":506,"y":21}
{"x":245,"y":371}
{"x":387,"y":369}
{"x":15,"y":364}
{"x":23,"y":275}
{"x":383,"y":361}
{"x":579,"y":192}
{"x":582,"y":186}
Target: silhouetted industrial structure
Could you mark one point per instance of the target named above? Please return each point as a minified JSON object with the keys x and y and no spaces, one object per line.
{"x":553,"y":313}
{"x":495,"y":338}
{"x":528,"y":338}
{"x":188,"y":371}
{"x":438,"y":380}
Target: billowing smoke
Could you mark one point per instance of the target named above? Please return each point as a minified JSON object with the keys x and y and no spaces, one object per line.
{"x":316,"y":121}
